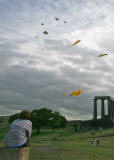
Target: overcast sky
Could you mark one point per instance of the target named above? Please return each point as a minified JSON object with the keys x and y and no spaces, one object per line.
{"x":35,"y":68}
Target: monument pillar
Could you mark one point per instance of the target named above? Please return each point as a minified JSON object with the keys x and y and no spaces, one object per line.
{"x":95,"y":109}
{"x":102,"y":109}
{"x":109,"y":108}
{"x":113,"y":110}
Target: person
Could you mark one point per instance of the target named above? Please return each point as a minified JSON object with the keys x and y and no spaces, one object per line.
{"x":93,"y":142}
{"x":19,"y":132}
{"x":97,"y":142}
{"x":100,"y":130}
{"x":93,"y":132}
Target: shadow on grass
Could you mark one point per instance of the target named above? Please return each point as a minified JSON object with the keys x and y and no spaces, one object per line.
{"x":105,"y":135}
{"x":42,"y":133}
{"x":2,"y":134}
{"x":61,"y":133}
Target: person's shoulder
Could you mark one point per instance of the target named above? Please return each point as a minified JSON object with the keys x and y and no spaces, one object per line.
{"x":15,"y":121}
{"x":27,"y":121}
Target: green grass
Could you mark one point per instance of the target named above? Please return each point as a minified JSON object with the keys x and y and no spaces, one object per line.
{"x":69,"y":145}
{"x":3,"y":127}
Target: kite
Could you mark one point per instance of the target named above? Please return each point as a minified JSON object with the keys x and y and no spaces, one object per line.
{"x":65,"y":21}
{"x":56,"y":19}
{"x":76,"y":42}
{"x":76,"y":93}
{"x":45,"y":32}
{"x":42,"y":24}
{"x":64,"y":94}
{"x":102,"y":55}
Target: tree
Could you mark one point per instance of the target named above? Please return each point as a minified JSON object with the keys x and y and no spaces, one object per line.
{"x":13,"y":117}
{"x":41,"y":118}
{"x":55,"y":120}
{"x":58,"y":121}
{"x":76,"y":126}
{"x":63,"y":122}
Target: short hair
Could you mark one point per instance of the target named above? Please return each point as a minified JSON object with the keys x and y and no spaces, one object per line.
{"x":25,"y":114}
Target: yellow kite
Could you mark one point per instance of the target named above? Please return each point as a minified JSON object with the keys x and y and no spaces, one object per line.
{"x":102,"y":55}
{"x":64,"y":94}
{"x":76,"y":42}
{"x":76,"y":93}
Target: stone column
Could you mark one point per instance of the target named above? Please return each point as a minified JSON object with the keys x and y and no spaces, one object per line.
{"x":109,"y":108}
{"x":102,"y":109}
{"x":112,"y":108}
{"x":95,"y":109}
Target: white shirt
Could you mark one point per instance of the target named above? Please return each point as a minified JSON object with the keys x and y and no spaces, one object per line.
{"x":17,"y":132}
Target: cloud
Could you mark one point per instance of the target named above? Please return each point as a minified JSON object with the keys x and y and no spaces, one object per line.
{"x":35,"y":71}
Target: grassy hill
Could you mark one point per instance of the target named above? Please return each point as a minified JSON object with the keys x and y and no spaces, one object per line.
{"x":67,"y":144}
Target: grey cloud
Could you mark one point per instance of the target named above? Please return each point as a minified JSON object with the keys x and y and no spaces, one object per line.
{"x":53,"y":66}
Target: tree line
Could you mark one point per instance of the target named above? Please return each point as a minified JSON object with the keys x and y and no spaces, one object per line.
{"x":43,"y":118}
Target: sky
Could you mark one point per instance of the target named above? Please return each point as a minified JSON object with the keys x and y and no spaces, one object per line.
{"x":36,"y":68}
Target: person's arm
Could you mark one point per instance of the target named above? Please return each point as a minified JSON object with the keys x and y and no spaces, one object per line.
{"x":28,"y":129}
{"x":27,"y":134}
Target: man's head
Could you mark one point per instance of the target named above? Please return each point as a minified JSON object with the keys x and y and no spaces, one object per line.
{"x":25,"y":114}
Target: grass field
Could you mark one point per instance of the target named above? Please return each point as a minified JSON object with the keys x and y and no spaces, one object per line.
{"x":69,"y":145}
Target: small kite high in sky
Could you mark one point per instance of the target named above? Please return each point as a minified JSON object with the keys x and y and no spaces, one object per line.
{"x":101,"y":55}
{"x":65,"y":21}
{"x":56,"y":19}
{"x":64,"y":94}
{"x":42,"y":24}
{"x":45,"y":32}
{"x":76,"y":42}
{"x":76,"y":93}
